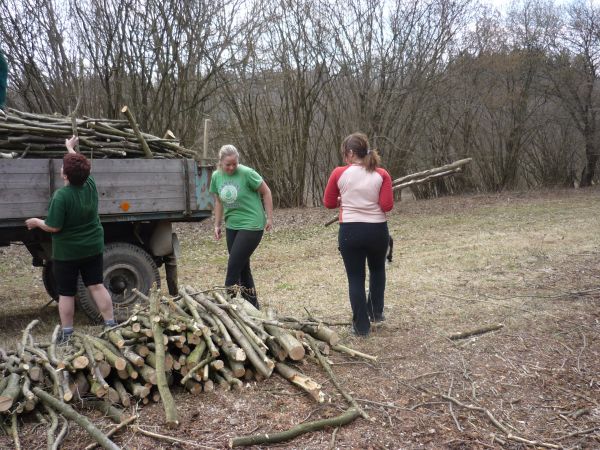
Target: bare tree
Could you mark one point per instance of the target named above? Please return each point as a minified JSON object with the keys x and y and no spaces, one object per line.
{"x":43,"y":72}
{"x":274,"y":94}
{"x":574,"y":76}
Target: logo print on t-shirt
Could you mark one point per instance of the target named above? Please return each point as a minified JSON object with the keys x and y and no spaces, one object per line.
{"x":228,"y":194}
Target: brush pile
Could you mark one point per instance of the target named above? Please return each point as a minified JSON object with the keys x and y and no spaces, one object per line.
{"x":198,"y":340}
{"x":26,"y":135}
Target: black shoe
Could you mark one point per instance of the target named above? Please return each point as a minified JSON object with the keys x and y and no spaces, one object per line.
{"x":354,"y":332}
{"x":378,"y":319}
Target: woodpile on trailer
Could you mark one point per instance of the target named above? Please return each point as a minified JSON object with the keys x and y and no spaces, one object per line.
{"x":200,"y":341}
{"x":27,"y":135}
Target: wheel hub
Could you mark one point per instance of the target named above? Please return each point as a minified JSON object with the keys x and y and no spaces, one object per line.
{"x":120,"y":279}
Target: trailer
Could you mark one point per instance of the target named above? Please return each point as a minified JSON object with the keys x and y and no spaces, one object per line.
{"x":139,"y":199}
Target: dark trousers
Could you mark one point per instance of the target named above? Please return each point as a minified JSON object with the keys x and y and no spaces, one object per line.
{"x":240,"y":245}
{"x":361,"y":242}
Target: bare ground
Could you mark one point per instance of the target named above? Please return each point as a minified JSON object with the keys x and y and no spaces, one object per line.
{"x":529,"y":261}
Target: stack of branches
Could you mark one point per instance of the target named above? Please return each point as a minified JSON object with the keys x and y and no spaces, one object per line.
{"x":198,"y":340}
{"x":427,"y":183}
{"x":26,"y":135}
{"x":429,"y":175}
{"x":415,"y":180}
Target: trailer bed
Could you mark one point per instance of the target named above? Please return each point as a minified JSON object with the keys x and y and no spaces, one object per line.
{"x":128,"y":189}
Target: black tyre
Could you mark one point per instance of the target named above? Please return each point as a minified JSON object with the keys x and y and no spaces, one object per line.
{"x":125,"y":267}
{"x":49,"y":281}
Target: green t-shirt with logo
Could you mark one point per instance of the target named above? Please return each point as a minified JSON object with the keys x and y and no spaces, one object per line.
{"x":241,"y":201}
{"x":74,"y":209}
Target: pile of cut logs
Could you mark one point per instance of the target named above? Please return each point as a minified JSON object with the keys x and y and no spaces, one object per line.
{"x":198,"y":340}
{"x":27,"y":135}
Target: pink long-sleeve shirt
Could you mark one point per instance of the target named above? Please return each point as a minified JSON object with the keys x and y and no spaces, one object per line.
{"x":365,"y":196}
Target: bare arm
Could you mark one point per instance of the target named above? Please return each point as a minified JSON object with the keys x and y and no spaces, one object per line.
{"x":264,"y":190}
{"x":71,"y":144}
{"x":218,"y":217}
{"x":34,"y":222}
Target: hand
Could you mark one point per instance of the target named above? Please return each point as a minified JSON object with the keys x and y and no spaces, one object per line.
{"x":32,"y":223}
{"x":218,"y":232}
{"x":71,"y":143}
{"x":269,"y":225}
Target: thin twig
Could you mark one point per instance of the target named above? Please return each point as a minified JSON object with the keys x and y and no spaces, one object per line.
{"x":162,"y":437}
{"x":112,"y":431}
{"x":327,"y":367}
{"x":450,"y":406}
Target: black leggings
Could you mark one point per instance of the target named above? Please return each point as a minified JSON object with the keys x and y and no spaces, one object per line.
{"x":360,"y":242}
{"x":241,"y":244}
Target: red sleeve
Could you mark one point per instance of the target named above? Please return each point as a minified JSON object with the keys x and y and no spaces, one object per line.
{"x":386,"y":195}
{"x":332,"y":191}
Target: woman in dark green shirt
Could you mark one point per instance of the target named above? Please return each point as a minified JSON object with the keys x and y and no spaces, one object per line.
{"x":3,"y":80}
{"x":77,"y":238}
{"x":238,"y":190}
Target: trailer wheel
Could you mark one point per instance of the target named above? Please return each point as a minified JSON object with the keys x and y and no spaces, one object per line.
{"x":49,"y":281}
{"x":125,"y":267}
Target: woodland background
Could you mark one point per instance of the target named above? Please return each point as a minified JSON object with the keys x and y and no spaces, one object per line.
{"x":429,"y":81}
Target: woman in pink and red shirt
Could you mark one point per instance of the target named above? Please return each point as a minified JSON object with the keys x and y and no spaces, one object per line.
{"x":363,"y":192}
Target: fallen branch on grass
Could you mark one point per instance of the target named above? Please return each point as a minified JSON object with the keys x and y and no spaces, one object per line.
{"x":113,"y":430}
{"x":505,"y":429}
{"x":475,"y":332}
{"x":73,"y":415}
{"x":307,"y":427}
{"x":162,"y":437}
{"x":327,"y":367}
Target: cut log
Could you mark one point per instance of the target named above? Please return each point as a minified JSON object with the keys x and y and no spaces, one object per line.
{"x":302,"y":381}
{"x":124,"y":398}
{"x":11,"y":392}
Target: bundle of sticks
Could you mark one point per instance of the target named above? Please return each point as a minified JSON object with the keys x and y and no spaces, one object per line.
{"x":425,"y":176}
{"x":198,"y":340}
{"x":26,"y":135}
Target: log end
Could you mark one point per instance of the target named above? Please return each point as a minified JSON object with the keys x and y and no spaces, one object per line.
{"x":297,"y":353}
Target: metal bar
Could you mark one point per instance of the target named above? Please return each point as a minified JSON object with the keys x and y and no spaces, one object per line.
{"x":51,"y":176}
{"x":186,"y":187}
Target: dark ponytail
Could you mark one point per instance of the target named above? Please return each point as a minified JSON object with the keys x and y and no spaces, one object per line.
{"x":358,"y":143}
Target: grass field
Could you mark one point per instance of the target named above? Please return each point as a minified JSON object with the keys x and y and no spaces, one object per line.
{"x":528,"y":261}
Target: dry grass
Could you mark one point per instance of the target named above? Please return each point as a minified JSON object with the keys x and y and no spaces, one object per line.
{"x":530,"y":261}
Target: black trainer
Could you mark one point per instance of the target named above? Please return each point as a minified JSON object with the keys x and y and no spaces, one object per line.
{"x":378,"y":319}
{"x":354,"y":332}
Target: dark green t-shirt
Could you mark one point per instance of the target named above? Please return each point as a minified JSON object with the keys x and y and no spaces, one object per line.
{"x":241,"y":202}
{"x":74,"y":209}
{"x":3,"y":78}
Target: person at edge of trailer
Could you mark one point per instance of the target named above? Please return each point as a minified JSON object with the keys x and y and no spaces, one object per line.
{"x":3,"y":82}
{"x":238,"y":190}
{"x":77,"y":239}
{"x":363,"y":192}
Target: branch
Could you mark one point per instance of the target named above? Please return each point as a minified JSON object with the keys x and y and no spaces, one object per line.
{"x":475,"y":332}
{"x":272,"y":438}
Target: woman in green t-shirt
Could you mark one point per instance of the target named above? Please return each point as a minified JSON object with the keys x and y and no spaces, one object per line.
{"x":77,"y":239}
{"x":238,"y":190}
{"x":3,"y":80}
